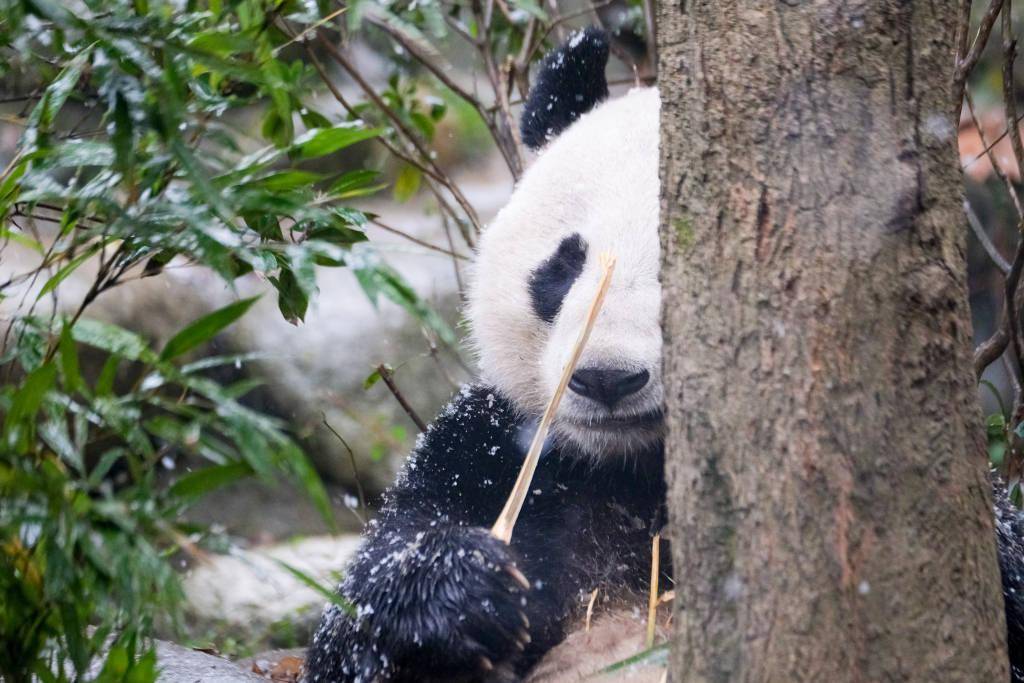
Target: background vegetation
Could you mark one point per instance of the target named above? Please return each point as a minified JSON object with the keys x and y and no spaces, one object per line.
{"x":130,"y":162}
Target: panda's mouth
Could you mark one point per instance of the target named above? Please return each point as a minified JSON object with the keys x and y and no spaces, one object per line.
{"x":647,"y":420}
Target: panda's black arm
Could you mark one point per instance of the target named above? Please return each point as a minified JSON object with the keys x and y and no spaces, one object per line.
{"x":433,"y":594}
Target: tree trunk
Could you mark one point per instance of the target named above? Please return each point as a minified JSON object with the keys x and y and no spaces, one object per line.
{"x":830,"y":513}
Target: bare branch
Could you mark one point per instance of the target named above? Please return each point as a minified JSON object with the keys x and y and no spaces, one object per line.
{"x":991,"y":145}
{"x":355,"y":469}
{"x":389,"y":379}
{"x":966,"y":63}
{"x":400,"y":125}
{"x":392,"y":149}
{"x":997,"y":169}
{"x":416,"y":240}
{"x":983,"y":239}
{"x":441,"y":71}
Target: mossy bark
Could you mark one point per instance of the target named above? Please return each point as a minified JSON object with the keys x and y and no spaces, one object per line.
{"x":830,"y":513}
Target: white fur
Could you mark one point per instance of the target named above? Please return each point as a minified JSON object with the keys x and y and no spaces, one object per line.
{"x":599,"y":178}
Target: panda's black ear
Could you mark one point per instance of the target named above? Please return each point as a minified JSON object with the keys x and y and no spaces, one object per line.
{"x":570,"y":82}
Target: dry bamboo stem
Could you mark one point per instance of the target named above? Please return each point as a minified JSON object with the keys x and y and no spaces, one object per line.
{"x":590,"y":609}
{"x":652,"y":599}
{"x":502,"y":528}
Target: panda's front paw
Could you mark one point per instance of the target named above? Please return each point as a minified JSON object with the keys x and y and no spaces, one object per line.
{"x":456,"y":609}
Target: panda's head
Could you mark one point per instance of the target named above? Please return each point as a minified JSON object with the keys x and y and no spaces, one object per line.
{"x":593,"y":188}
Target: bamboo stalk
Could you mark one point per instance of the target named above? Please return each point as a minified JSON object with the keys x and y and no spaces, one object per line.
{"x":502,"y":528}
{"x":590,"y":609}
{"x":652,"y":598}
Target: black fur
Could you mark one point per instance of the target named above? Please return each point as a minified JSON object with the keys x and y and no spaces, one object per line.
{"x":1010,"y":541}
{"x":570,"y":82}
{"x":553,"y":279}
{"x":431,"y":588}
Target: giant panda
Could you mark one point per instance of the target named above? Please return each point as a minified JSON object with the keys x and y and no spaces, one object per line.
{"x":434,"y":596}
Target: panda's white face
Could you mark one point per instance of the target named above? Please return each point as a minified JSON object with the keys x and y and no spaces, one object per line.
{"x":594,"y":188}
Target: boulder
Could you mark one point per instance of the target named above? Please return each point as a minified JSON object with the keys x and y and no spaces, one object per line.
{"x":179,"y":664}
{"x":248,"y":593}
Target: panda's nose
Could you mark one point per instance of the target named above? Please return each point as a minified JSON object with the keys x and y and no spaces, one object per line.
{"x":607,"y":386}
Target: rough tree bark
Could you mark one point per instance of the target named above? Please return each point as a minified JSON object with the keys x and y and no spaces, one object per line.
{"x":830,"y":514}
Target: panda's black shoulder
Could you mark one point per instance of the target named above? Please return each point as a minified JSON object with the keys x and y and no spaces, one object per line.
{"x":476,"y":412}
{"x":569,"y":83}
{"x":473,"y":439}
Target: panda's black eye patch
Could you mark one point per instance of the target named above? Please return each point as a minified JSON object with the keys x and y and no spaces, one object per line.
{"x":553,"y":279}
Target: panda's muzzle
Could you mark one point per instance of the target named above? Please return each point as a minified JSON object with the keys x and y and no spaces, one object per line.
{"x":608,"y":386}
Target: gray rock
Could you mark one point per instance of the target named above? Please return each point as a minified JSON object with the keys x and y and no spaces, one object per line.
{"x":247,"y":592}
{"x":179,"y":664}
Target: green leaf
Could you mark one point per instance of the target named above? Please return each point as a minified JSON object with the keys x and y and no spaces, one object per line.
{"x":105,"y":382}
{"x":122,"y":137}
{"x":656,"y":656}
{"x":291,"y":299}
{"x":204,"y":329}
{"x":73,"y":631}
{"x":356,"y":184}
{"x":222,"y":43}
{"x":424,"y":124}
{"x":407,"y":184}
{"x":27,"y":400}
{"x":200,"y":180}
{"x":997,"y":453}
{"x":378,"y":278}
{"x":375,"y":376}
{"x":197,"y":484}
{"x":57,"y":93}
{"x":69,"y":362}
{"x":306,"y":477}
{"x":19,"y":238}
{"x":330,"y":595}
{"x":67,"y":270}
{"x":55,"y":434}
{"x":80,"y":153}
{"x":322,"y":141}
{"x":996,"y":426}
{"x":288,"y":180}
{"x":116,"y":666}
{"x":144,"y":669}
{"x":112,"y":339}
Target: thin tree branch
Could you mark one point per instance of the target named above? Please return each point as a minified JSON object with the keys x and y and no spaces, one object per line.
{"x":984,"y":240}
{"x":966,"y":63}
{"x":355,"y":468}
{"x":1010,"y":187}
{"x":441,"y":72}
{"x":392,"y":149}
{"x":443,"y":178}
{"x":388,"y":377}
{"x":964,"y":67}
{"x":416,"y":240}
{"x":996,"y":141}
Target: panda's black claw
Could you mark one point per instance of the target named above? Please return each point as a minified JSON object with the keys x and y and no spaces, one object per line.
{"x":524,"y":618}
{"x":518,"y":576}
{"x":486,"y":664}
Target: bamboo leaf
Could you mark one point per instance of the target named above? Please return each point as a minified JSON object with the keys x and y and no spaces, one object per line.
{"x":204,"y":329}
{"x":67,"y":270}
{"x":322,"y":141}
{"x":197,"y":484}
